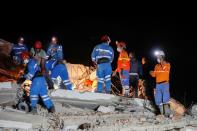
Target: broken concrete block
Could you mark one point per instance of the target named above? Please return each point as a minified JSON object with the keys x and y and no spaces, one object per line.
{"x":104,"y":109}
{"x":189,"y":128}
{"x":143,"y":119}
{"x":58,"y":107}
{"x":5,"y":85}
{"x":70,"y":127}
{"x":194,"y":110}
{"x":15,"y":124}
{"x":149,"y":114}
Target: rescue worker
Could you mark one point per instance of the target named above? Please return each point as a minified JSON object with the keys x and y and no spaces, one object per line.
{"x":103,"y":55}
{"x":162,"y":94}
{"x":17,"y":50}
{"x":135,"y":73}
{"x":54,"y":51}
{"x":38,"y":86}
{"x":148,"y":80}
{"x":123,"y":67}
{"x":58,"y":72}
{"x":39,"y":54}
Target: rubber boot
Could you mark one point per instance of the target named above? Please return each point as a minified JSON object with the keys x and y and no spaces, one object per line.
{"x":108,"y":92}
{"x":161,"y":109}
{"x":34,"y":111}
{"x":126,"y":94}
{"x":123,"y":92}
{"x":51,"y":110}
{"x":167,"y":111}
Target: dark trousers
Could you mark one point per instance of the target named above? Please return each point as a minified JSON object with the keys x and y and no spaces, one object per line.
{"x":134,"y":84}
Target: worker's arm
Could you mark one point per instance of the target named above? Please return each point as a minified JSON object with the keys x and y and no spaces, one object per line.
{"x":153,"y":73}
{"x":112,"y":55}
{"x":60,"y":52}
{"x":49,"y":52}
{"x":166,"y":67}
{"x":31,"y":70}
{"x":93,"y":55}
{"x":43,"y":66}
{"x":43,"y":60}
{"x":26,"y":49}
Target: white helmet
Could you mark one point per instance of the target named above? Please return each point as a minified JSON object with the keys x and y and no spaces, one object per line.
{"x":159,"y":53}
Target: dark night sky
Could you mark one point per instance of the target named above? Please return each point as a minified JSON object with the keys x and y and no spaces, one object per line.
{"x":176,"y":35}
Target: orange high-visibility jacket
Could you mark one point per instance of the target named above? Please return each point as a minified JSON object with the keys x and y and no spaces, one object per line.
{"x":162,"y":72}
{"x":123,"y":61}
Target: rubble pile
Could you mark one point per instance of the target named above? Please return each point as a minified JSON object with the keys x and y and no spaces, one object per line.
{"x":114,"y":113}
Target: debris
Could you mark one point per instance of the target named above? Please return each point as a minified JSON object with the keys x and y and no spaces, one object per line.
{"x":143,"y":119}
{"x":13,"y":110}
{"x":15,"y":124}
{"x":85,"y":126}
{"x":177,"y":107}
{"x":104,"y":109}
{"x":71,"y":128}
{"x":194,"y":110}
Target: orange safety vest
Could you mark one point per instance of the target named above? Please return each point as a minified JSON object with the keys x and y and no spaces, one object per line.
{"x":123,"y":61}
{"x":162,"y":72}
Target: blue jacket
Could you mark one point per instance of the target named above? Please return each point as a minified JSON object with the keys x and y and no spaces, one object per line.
{"x":136,"y":67}
{"x":102,"y":50}
{"x":55,"y":52}
{"x":59,"y":69}
{"x":32,"y":68}
{"x":18,"y":49}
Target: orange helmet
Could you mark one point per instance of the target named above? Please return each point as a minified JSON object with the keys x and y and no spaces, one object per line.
{"x":24,"y":55}
{"x":37,"y":45}
{"x":105,"y":38}
{"x":121,"y":44}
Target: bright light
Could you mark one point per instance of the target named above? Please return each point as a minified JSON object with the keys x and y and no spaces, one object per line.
{"x":156,"y":53}
{"x":22,"y":39}
{"x":159,"y":53}
{"x":53,"y":39}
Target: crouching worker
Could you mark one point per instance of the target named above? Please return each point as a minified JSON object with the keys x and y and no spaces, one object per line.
{"x":58,"y":73}
{"x":162,"y":94}
{"x":38,"y":86}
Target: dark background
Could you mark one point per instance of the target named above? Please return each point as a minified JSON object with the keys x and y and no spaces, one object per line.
{"x":175,"y":34}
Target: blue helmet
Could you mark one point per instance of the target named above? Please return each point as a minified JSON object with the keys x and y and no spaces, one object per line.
{"x":50,"y":64}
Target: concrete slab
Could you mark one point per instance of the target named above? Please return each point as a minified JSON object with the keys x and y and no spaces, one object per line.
{"x":5,"y":85}
{"x":15,"y":124}
{"x":35,"y":120}
{"x":82,"y":96}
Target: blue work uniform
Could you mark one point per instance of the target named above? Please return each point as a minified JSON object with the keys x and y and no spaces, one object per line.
{"x":103,"y":55}
{"x":55,"y":52}
{"x":17,"y":50}
{"x":39,"y":85}
{"x":59,"y":69}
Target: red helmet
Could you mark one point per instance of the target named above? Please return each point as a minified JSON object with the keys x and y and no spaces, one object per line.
{"x":38,"y":45}
{"x":105,"y":38}
{"x":121,"y":44}
{"x":24,"y":55}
